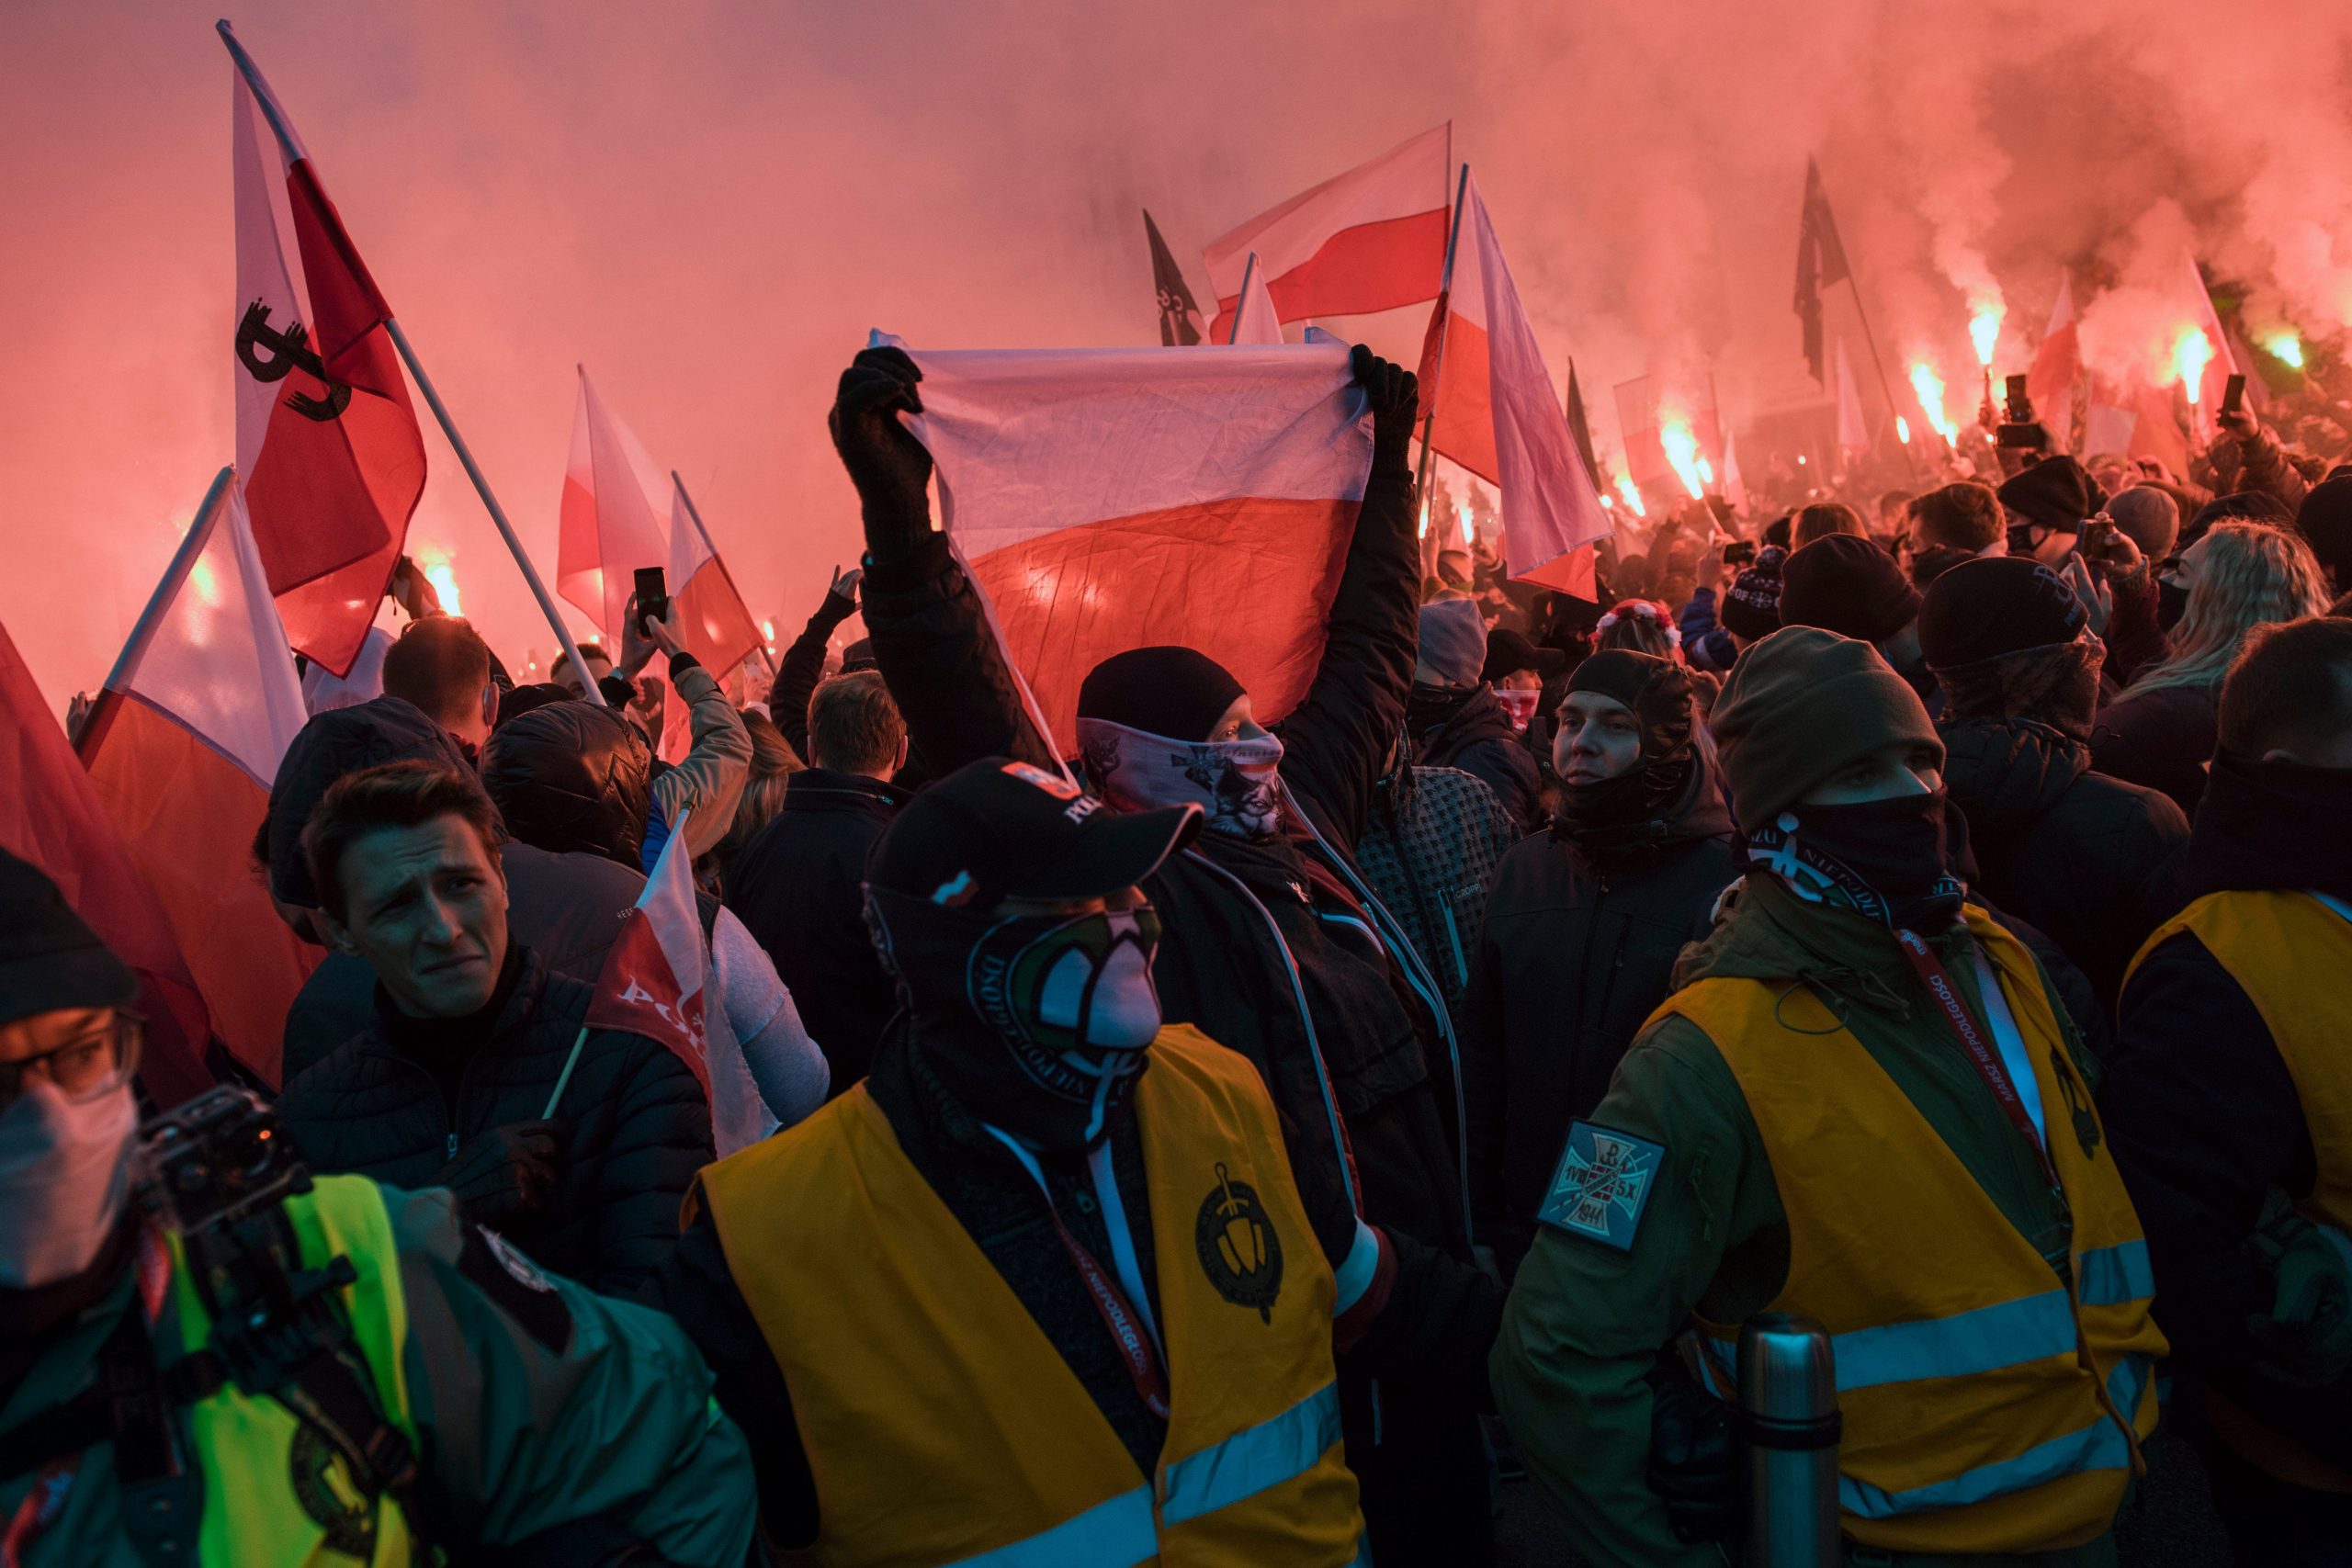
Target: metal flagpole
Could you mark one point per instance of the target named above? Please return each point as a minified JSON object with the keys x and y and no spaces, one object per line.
{"x":694,"y":512}
{"x":191,"y":546}
{"x":293,"y":152}
{"x":1870,"y":339}
{"x":1242,"y":302}
{"x":1436,"y":364}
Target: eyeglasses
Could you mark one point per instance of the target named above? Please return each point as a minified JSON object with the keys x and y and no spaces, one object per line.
{"x":92,"y":1063}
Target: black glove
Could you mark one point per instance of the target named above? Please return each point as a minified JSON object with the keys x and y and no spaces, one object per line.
{"x":507,"y":1173}
{"x":1695,"y":1460}
{"x":1395,"y":395}
{"x":887,"y":465}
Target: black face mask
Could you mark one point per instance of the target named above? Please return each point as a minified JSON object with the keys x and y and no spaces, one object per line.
{"x":2172,"y":603}
{"x":1035,"y":1025}
{"x":1883,"y":859}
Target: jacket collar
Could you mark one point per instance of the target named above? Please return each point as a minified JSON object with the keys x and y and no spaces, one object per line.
{"x":2270,"y":825}
{"x":822,"y":789}
{"x":1769,"y":933}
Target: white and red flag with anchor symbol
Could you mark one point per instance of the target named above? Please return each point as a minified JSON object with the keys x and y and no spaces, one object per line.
{"x":652,"y":981}
{"x":328,"y":457}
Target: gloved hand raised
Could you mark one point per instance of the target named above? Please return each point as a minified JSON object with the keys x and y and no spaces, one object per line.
{"x":508,"y":1172}
{"x":887,"y":465}
{"x":1395,"y":395}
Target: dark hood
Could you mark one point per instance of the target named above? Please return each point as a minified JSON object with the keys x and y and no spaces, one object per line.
{"x":572,"y":776}
{"x":1696,"y":811}
{"x":1459,"y":722}
{"x":340,"y":741}
{"x":2270,"y":825}
{"x":2004,"y":773}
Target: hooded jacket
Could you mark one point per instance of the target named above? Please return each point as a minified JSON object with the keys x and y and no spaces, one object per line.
{"x":1585,"y":1322}
{"x":639,"y":1126}
{"x":1477,"y":737}
{"x":2205,"y":1118}
{"x":2159,"y":740}
{"x":1577,"y":951}
{"x":2088,"y":859}
{"x":572,"y":776}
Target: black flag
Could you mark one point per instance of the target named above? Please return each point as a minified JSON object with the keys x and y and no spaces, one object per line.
{"x":1579,"y":430}
{"x":1180,"y":318}
{"x":1821,"y":263}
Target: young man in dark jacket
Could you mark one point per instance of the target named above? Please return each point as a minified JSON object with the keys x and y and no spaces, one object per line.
{"x":1454,"y":718}
{"x":2087,"y":859}
{"x":2229,"y":1100}
{"x":797,"y":886}
{"x":451,"y":1085}
{"x":1269,"y":948}
{"x":1584,"y":925}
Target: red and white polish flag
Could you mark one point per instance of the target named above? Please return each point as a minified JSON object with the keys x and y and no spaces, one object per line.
{"x":51,"y":817}
{"x":1254,"y":320}
{"x":1111,"y":499}
{"x":182,"y":747}
{"x":653,"y":979}
{"x":1373,"y":239}
{"x":1497,"y":413}
{"x":610,"y":527}
{"x":713,"y":621}
{"x":329,"y":454}
{"x":2057,"y":365}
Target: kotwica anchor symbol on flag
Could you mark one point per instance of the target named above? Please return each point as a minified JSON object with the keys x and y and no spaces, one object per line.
{"x":288,"y":350}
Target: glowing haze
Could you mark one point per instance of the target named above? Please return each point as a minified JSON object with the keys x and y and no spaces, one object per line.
{"x":709,"y":203}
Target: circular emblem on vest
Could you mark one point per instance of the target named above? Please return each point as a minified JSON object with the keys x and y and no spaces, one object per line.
{"x":323,"y":1486}
{"x":1240,"y":1250}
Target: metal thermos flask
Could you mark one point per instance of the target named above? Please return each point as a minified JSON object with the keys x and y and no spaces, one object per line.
{"x":1788,"y":1401}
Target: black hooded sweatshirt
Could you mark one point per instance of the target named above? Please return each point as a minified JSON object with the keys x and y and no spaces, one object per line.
{"x":2200,"y":1108}
{"x":1474,"y":734}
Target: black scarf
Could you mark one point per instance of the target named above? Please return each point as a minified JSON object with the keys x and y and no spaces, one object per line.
{"x":1883,"y":859}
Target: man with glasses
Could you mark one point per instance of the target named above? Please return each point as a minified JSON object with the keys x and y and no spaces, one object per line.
{"x":439,"y":1393}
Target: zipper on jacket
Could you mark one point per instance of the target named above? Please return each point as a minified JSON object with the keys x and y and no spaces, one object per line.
{"x":1454,"y":936}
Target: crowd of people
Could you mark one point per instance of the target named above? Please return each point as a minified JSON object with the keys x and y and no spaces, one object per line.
{"x":1235,"y":1137}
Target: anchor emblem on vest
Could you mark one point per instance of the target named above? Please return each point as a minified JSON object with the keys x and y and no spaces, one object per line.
{"x":1240,"y":1251}
{"x":287,"y":350}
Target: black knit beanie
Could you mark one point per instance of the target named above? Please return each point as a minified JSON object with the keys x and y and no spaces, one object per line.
{"x":1176,"y":692}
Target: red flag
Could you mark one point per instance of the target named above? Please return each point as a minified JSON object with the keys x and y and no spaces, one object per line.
{"x":1371,"y":239}
{"x":1494,"y":410}
{"x":715,"y":624}
{"x":609,"y":526}
{"x":50,"y":815}
{"x":182,"y":747}
{"x":328,"y":451}
{"x":2056,"y":364}
{"x":652,"y":980}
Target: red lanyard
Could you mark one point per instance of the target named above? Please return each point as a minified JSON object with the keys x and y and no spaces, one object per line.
{"x":1979,"y":1050}
{"x":1143,"y":1364}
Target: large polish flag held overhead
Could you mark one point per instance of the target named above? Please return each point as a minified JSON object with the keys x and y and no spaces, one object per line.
{"x":182,"y":747}
{"x":1373,"y":239}
{"x":610,"y":527}
{"x":329,"y":455}
{"x":1493,"y":410}
{"x":51,"y":817}
{"x":1111,"y":499}
{"x":713,"y":621}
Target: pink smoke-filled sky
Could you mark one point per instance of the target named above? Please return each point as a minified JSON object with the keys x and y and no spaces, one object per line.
{"x":709,"y":203}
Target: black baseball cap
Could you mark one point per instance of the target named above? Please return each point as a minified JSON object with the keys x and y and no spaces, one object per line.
{"x":998,"y":828}
{"x":50,"y":958}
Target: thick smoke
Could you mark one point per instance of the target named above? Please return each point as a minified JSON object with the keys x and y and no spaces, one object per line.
{"x":708,"y":205}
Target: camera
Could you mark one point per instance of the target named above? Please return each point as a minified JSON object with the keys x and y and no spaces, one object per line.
{"x":2018,"y":427}
{"x":216,"y":1160}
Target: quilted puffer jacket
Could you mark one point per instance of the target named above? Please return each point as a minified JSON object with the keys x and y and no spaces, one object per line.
{"x":572,"y":776}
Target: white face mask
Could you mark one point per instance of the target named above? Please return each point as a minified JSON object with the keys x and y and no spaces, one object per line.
{"x":64,"y":1175}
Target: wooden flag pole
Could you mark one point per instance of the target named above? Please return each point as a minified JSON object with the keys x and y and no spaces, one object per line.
{"x":293,"y":152}
{"x":694,"y":512}
{"x":1437,"y":365}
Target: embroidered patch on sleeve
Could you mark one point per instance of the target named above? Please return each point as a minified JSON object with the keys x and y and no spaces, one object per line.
{"x":1602,"y":1185}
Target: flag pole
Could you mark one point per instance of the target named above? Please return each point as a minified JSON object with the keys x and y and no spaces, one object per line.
{"x":1436,"y":364}
{"x":1241,"y":303}
{"x":1870,"y":339}
{"x":293,"y":152}
{"x":191,"y":546}
{"x":694,"y":512}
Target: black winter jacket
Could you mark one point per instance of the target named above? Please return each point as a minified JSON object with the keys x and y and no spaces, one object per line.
{"x":1477,"y":738}
{"x":639,"y":1126}
{"x":1218,"y":967}
{"x":1577,"y":952}
{"x":2090,"y":860}
{"x":2203,"y":1114}
{"x":796,"y":886}
{"x":2161,"y":740}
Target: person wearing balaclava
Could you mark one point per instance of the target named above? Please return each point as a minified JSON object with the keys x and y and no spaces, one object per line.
{"x":2047,"y":506}
{"x":1848,"y":585}
{"x":2088,"y":859}
{"x":2229,"y":1099}
{"x":1864,"y":1106}
{"x":1583,"y":923}
{"x":1455,"y":719}
{"x":1074,"y":1220}
{"x":470,"y":1355}
{"x":1273,"y":946}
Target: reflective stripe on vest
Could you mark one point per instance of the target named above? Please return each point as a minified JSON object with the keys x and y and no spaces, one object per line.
{"x":1988,"y":1409}
{"x":916,"y":1372}
{"x":2100,"y":1445}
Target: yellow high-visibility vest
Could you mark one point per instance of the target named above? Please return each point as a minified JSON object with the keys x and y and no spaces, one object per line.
{"x":2273,"y":943}
{"x":1989,"y":1406}
{"x":940,"y":1425}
